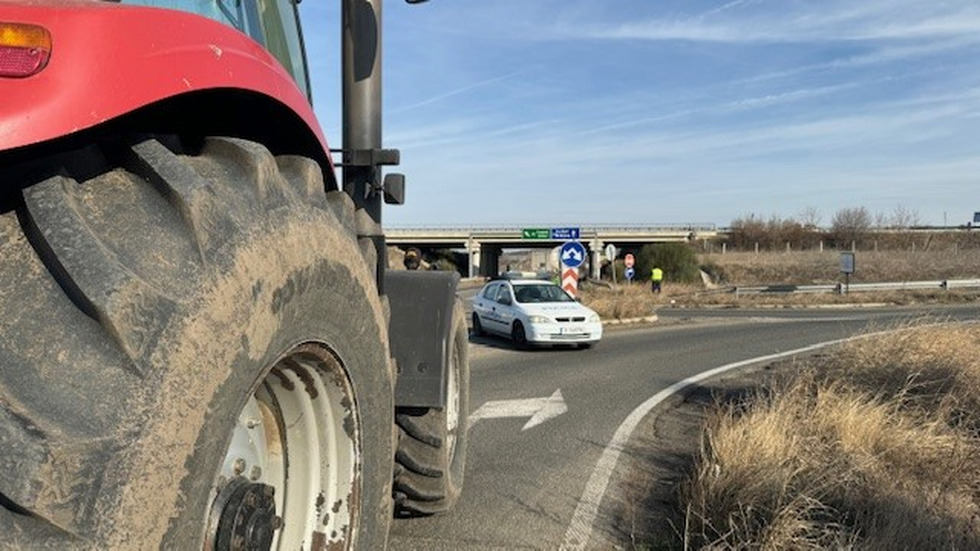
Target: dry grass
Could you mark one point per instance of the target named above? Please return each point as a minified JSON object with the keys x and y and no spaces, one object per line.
{"x":623,"y":302}
{"x":795,"y":268}
{"x":874,"y":446}
{"x":814,"y":267}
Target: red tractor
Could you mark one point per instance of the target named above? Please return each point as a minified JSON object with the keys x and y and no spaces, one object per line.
{"x":200,"y":344}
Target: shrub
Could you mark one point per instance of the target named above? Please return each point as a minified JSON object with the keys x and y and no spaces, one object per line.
{"x":678,"y":261}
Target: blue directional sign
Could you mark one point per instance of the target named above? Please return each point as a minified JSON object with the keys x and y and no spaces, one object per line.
{"x":572,"y":254}
{"x":565,"y":234}
{"x":629,"y":273}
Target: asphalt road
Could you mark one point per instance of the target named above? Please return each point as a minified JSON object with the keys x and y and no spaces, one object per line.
{"x":522,"y":486}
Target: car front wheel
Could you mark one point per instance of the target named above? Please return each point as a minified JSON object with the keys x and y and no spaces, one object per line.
{"x":477,"y":326}
{"x":518,"y":334}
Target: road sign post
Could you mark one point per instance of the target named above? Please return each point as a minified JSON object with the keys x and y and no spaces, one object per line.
{"x":628,"y":261}
{"x":611,"y":257}
{"x":847,"y":268}
{"x":610,"y":252}
{"x":572,"y":254}
{"x":569,"y":280}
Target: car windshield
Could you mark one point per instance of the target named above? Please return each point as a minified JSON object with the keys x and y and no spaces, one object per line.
{"x":540,"y":293}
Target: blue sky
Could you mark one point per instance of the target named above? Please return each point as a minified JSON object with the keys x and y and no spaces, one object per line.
{"x":568,"y":112}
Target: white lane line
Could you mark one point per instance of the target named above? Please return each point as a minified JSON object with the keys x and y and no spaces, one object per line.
{"x":580,"y":528}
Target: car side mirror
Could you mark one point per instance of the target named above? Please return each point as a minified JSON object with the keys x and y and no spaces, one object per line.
{"x":505,"y":300}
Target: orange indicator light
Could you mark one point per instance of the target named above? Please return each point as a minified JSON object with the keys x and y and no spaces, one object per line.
{"x":24,"y":49}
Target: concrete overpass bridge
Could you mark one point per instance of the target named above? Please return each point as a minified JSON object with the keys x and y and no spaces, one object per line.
{"x":484,"y":244}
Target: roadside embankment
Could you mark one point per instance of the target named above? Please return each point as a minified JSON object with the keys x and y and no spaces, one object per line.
{"x":874,"y":444}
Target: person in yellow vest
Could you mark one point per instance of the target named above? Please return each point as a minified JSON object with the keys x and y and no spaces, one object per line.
{"x":656,"y":279}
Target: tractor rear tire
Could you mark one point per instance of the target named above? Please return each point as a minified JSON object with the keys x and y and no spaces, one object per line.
{"x":431,"y":453}
{"x":194,"y":348}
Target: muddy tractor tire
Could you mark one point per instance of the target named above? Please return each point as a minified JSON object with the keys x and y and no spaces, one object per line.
{"x":431,"y":452}
{"x":193,"y":355}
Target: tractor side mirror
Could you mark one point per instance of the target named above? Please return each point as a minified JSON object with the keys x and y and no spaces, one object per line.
{"x":394,"y":189}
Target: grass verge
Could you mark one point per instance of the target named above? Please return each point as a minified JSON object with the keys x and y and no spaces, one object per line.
{"x":792,"y":268}
{"x":632,"y":301}
{"x":875,"y":445}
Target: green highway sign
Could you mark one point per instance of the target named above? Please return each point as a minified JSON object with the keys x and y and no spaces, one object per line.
{"x":554,"y":234}
{"x":536,"y":233}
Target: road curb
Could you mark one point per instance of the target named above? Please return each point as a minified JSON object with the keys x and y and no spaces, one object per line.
{"x":625,"y":321}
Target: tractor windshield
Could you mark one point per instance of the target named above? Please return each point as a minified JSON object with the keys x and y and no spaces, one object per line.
{"x":272,"y":23}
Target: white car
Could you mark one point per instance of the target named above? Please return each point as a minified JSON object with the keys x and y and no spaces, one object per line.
{"x":534,"y":311}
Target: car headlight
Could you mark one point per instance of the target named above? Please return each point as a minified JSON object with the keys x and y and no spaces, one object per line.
{"x":539,"y":319}
{"x":593,"y":318}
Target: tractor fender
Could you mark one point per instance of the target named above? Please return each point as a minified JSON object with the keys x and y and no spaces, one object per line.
{"x":108,"y":60}
{"x":420,"y":333}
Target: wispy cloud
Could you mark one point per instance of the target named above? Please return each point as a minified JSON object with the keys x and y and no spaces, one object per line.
{"x":720,"y":107}
{"x":788,"y":97}
{"x":728,"y":6}
{"x":826,"y":22}
{"x":672,"y":110}
{"x":452,"y":93}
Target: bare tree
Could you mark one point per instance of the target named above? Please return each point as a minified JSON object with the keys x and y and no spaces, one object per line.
{"x":850,"y":225}
{"x":810,"y":218}
{"x":903,"y":217}
{"x":747,"y":231}
{"x":882,"y":221}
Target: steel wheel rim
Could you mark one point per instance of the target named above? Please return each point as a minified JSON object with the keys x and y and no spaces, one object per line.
{"x":452,"y":403}
{"x":299,"y":434}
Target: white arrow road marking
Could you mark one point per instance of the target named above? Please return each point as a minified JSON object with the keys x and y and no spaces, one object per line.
{"x":538,"y":409}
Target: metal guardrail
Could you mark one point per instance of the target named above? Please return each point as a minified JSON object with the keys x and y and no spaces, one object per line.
{"x":944,"y":284}
{"x":584,"y":228}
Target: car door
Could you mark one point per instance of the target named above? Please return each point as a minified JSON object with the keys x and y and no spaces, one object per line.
{"x":505,"y":310}
{"x":485,"y":306}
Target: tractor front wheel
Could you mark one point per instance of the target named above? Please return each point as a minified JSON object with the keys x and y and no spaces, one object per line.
{"x":196,"y":357}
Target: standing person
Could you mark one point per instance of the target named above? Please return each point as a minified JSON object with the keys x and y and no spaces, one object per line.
{"x":413,"y":258}
{"x":656,"y":279}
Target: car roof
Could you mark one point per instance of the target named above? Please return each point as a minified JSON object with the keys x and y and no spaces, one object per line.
{"x":530,"y":282}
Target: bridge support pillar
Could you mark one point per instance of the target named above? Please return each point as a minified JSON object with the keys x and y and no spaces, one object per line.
{"x":489,"y":260}
{"x":595,"y":259}
{"x":473,"y":256}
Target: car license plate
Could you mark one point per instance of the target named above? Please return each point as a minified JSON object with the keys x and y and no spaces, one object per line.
{"x":572,"y":330}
